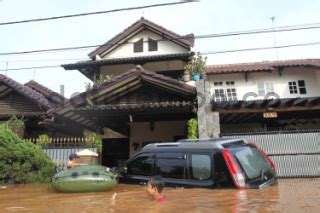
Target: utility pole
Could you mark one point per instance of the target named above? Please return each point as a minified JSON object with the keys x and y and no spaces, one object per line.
{"x":5,"y":73}
{"x":273,"y":18}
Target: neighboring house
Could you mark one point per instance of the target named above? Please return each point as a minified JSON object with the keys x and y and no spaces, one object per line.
{"x":144,"y":101}
{"x":53,"y":98}
{"x":265,"y":96}
{"x":22,"y":101}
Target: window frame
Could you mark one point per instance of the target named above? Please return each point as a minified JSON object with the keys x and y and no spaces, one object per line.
{"x":151,"y":155}
{"x":302,"y":87}
{"x":263,"y":87}
{"x":191,"y":174}
{"x":298,"y":87}
{"x":152,"y":45}
{"x":168,"y":157}
{"x":225,"y":91}
{"x":136,"y":48}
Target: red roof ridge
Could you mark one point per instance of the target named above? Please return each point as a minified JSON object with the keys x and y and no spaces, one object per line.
{"x":266,"y":62}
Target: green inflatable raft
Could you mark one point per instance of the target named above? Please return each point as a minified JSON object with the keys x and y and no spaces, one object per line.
{"x":91,"y":178}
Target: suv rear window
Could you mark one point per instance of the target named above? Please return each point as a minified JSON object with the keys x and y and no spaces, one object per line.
{"x":252,"y":161}
{"x":200,"y":166}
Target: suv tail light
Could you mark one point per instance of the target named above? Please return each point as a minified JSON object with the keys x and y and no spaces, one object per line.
{"x":236,"y":173}
{"x":265,"y":155}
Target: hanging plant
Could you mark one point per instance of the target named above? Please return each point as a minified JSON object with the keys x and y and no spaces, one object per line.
{"x":192,"y":125}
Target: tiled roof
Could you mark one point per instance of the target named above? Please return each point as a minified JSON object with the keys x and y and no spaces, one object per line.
{"x":138,"y":71}
{"x":260,"y":66}
{"x":135,"y":60}
{"x":26,"y":91}
{"x":54,"y":97}
{"x":187,"y":40}
{"x":23,"y":114}
{"x":117,"y":85}
{"x":156,"y":105}
{"x":266,"y":103}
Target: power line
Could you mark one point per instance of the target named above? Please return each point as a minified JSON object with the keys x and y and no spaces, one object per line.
{"x":236,"y":33}
{"x":259,"y":48}
{"x":96,"y":13}
{"x":29,"y":68}
{"x":44,"y":60}
{"x":203,"y":53}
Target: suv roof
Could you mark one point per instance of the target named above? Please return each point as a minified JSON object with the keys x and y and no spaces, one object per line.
{"x":198,"y":144}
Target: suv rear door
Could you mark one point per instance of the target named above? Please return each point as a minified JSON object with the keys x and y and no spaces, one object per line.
{"x":258,"y":170}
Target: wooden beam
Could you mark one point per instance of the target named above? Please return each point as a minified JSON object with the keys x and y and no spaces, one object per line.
{"x":229,"y":118}
{"x":249,"y":104}
{"x":300,"y":102}
{"x":278,"y":109}
{"x":273,"y":103}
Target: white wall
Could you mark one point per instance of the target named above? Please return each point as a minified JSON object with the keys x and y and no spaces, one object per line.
{"x":163,"y":131}
{"x":164,"y":47}
{"x":311,"y":78}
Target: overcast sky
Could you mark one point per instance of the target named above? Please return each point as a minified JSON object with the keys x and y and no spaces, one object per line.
{"x":204,"y":17}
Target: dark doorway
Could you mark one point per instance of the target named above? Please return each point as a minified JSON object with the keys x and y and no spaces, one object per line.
{"x":115,"y":151}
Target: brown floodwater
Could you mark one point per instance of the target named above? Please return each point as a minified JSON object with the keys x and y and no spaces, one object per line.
{"x":290,"y":195}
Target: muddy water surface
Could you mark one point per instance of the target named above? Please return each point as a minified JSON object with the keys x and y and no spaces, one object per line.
{"x":291,"y":195}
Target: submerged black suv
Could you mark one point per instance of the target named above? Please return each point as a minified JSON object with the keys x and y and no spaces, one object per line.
{"x":203,"y":163}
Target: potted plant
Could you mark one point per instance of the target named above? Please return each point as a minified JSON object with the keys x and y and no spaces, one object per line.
{"x":196,"y":66}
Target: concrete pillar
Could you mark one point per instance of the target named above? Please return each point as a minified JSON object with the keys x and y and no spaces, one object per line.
{"x":208,"y":121}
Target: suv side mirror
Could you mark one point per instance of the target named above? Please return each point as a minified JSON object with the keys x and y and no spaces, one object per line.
{"x":119,"y":170}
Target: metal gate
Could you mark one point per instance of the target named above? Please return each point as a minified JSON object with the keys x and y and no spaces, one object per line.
{"x":295,"y":154}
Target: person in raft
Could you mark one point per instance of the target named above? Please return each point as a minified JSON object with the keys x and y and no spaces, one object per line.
{"x":72,"y":160}
{"x":154,"y":189}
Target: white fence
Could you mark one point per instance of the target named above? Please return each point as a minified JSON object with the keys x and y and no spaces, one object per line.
{"x":295,"y":154}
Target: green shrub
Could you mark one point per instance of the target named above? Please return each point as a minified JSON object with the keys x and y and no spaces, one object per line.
{"x":96,"y":140}
{"x":43,"y":140}
{"x":21,"y":161}
{"x":192,"y":128}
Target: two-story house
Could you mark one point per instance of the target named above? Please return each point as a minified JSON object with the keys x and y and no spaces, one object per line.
{"x":143,"y":101}
{"x":265,"y":96}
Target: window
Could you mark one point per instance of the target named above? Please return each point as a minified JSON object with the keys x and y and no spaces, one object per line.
{"x":302,"y":87}
{"x":231,"y":94}
{"x":171,"y":165}
{"x":141,"y":166}
{"x":138,"y":46}
{"x":219,"y":95}
{"x":153,"y":45}
{"x":252,"y":162}
{"x":229,"y":83}
{"x":265,"y":88}
{"x":200,"y":167}
{"x":295,"y":86}
{"x":220,"y":83}
{"x":225,"y":91}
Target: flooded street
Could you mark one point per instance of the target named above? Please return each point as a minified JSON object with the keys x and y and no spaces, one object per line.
{"x":290,"y":195}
